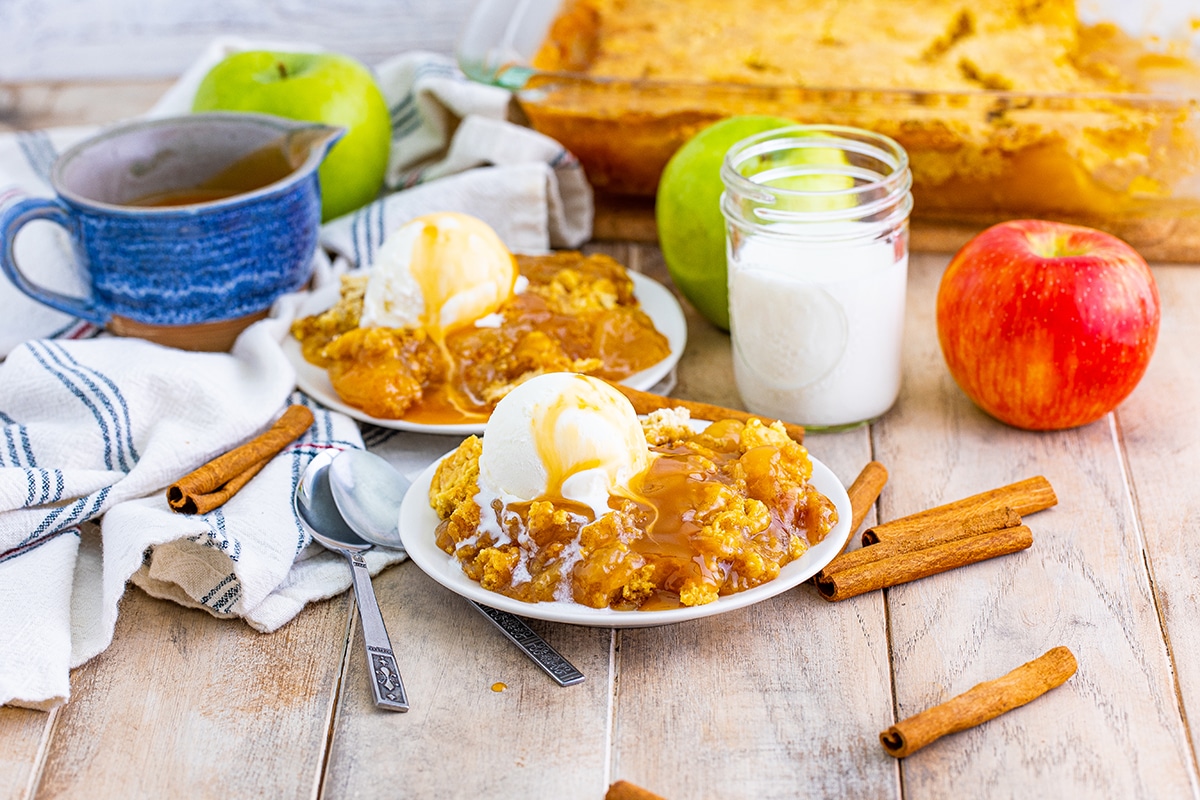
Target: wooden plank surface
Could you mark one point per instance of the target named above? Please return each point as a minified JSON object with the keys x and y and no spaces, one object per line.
{"x":1160,"y":432}
{"x":791,"y":693}
{"x":35,"y":105}
{"x":186,"y":705}
{"x":462,"y":737}
{"x":1116,"y":728}
{"x":24,"y":735}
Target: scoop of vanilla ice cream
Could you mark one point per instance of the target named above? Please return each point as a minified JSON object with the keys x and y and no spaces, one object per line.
{"x":562,"y":435}
{"x":438,"y":272}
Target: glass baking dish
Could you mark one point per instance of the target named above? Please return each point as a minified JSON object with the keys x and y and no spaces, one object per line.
{"x":1125,"y":163}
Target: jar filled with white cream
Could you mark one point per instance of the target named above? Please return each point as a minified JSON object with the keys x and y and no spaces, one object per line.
{"x":817,"y":247}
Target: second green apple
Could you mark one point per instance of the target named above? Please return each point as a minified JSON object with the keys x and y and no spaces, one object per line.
{"x":315,"y":87}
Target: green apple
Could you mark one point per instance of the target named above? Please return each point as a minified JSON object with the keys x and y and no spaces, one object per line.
{"x":691,"y":228}
{"x":315,"y":87}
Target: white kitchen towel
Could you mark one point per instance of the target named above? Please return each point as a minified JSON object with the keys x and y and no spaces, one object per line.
{"x":454,"y":148}
{"x":94,"y":431}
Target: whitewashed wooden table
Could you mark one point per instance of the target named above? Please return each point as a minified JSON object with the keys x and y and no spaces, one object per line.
{"x":781,"y":700}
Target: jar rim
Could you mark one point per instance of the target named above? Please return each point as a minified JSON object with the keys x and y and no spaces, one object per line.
{"x":886,"y":189}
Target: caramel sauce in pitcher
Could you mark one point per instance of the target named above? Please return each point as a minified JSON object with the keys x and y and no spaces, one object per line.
{"x":250,"y":172}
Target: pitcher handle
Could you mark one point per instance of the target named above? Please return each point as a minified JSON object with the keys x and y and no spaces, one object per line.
{"x":12,"y":219}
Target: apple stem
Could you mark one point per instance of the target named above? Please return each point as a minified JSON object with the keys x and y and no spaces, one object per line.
{"x":282,"y":69}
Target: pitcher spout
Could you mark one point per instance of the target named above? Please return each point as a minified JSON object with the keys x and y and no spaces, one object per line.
{"x":308,"y":146}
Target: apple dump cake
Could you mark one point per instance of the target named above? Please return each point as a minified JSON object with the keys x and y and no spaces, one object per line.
{"x":569,"y":497}
{"x":1006,"y":107}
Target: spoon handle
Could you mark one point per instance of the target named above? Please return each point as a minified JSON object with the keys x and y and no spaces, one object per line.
{"x":545,"y":656}
{"x":385,"y":675}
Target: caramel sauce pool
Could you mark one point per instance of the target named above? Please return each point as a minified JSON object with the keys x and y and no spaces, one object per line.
{"x":439,"y":407}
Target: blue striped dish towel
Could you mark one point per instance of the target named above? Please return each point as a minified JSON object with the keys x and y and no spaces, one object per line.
{"x":455,"y":147}
{"x":91,"y":434}
{"x":93,"y":428}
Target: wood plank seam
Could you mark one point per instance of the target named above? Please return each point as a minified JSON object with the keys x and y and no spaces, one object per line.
{"x":335,"y":700}
{"x":887,"y":627}
{"x":43,"y":752}
{"x":614,"y":647}
{"x":1136,"y":515}
{"x":891,"y":656}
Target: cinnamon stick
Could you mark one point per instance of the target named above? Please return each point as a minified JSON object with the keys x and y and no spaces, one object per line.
{"x":864,"y":492}
{"x":943,"y":530}
{"x":645,"y":402}
{"x":923,"y":539}
{"x":913,"y":565}
{"x":624,"y":790}
{"x":981,"y":703}
{"x":212,"y":484}
{"x":1023,"y":497}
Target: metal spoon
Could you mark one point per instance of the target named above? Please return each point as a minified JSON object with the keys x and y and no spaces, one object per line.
{"x":368,"y":491}
{"x":319,"y":515}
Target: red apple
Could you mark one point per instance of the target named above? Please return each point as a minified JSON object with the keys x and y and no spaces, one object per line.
{"x":1046,"y":325}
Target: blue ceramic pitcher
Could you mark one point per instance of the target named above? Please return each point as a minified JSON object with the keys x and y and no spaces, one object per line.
{"x":187,"y":228}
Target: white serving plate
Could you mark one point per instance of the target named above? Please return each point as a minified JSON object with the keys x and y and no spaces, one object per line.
{"x":418,"y":523}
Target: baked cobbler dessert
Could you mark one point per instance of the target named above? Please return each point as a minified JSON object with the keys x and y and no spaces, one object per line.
{"x":570,"y":497}
{"x":447,"y":322}
{"x":1005,"y":107}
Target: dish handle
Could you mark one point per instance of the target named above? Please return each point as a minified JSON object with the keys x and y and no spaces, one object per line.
{"x":501,"y":38}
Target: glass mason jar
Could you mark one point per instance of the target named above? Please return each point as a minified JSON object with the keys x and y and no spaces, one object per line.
{"x":817,"y":248}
